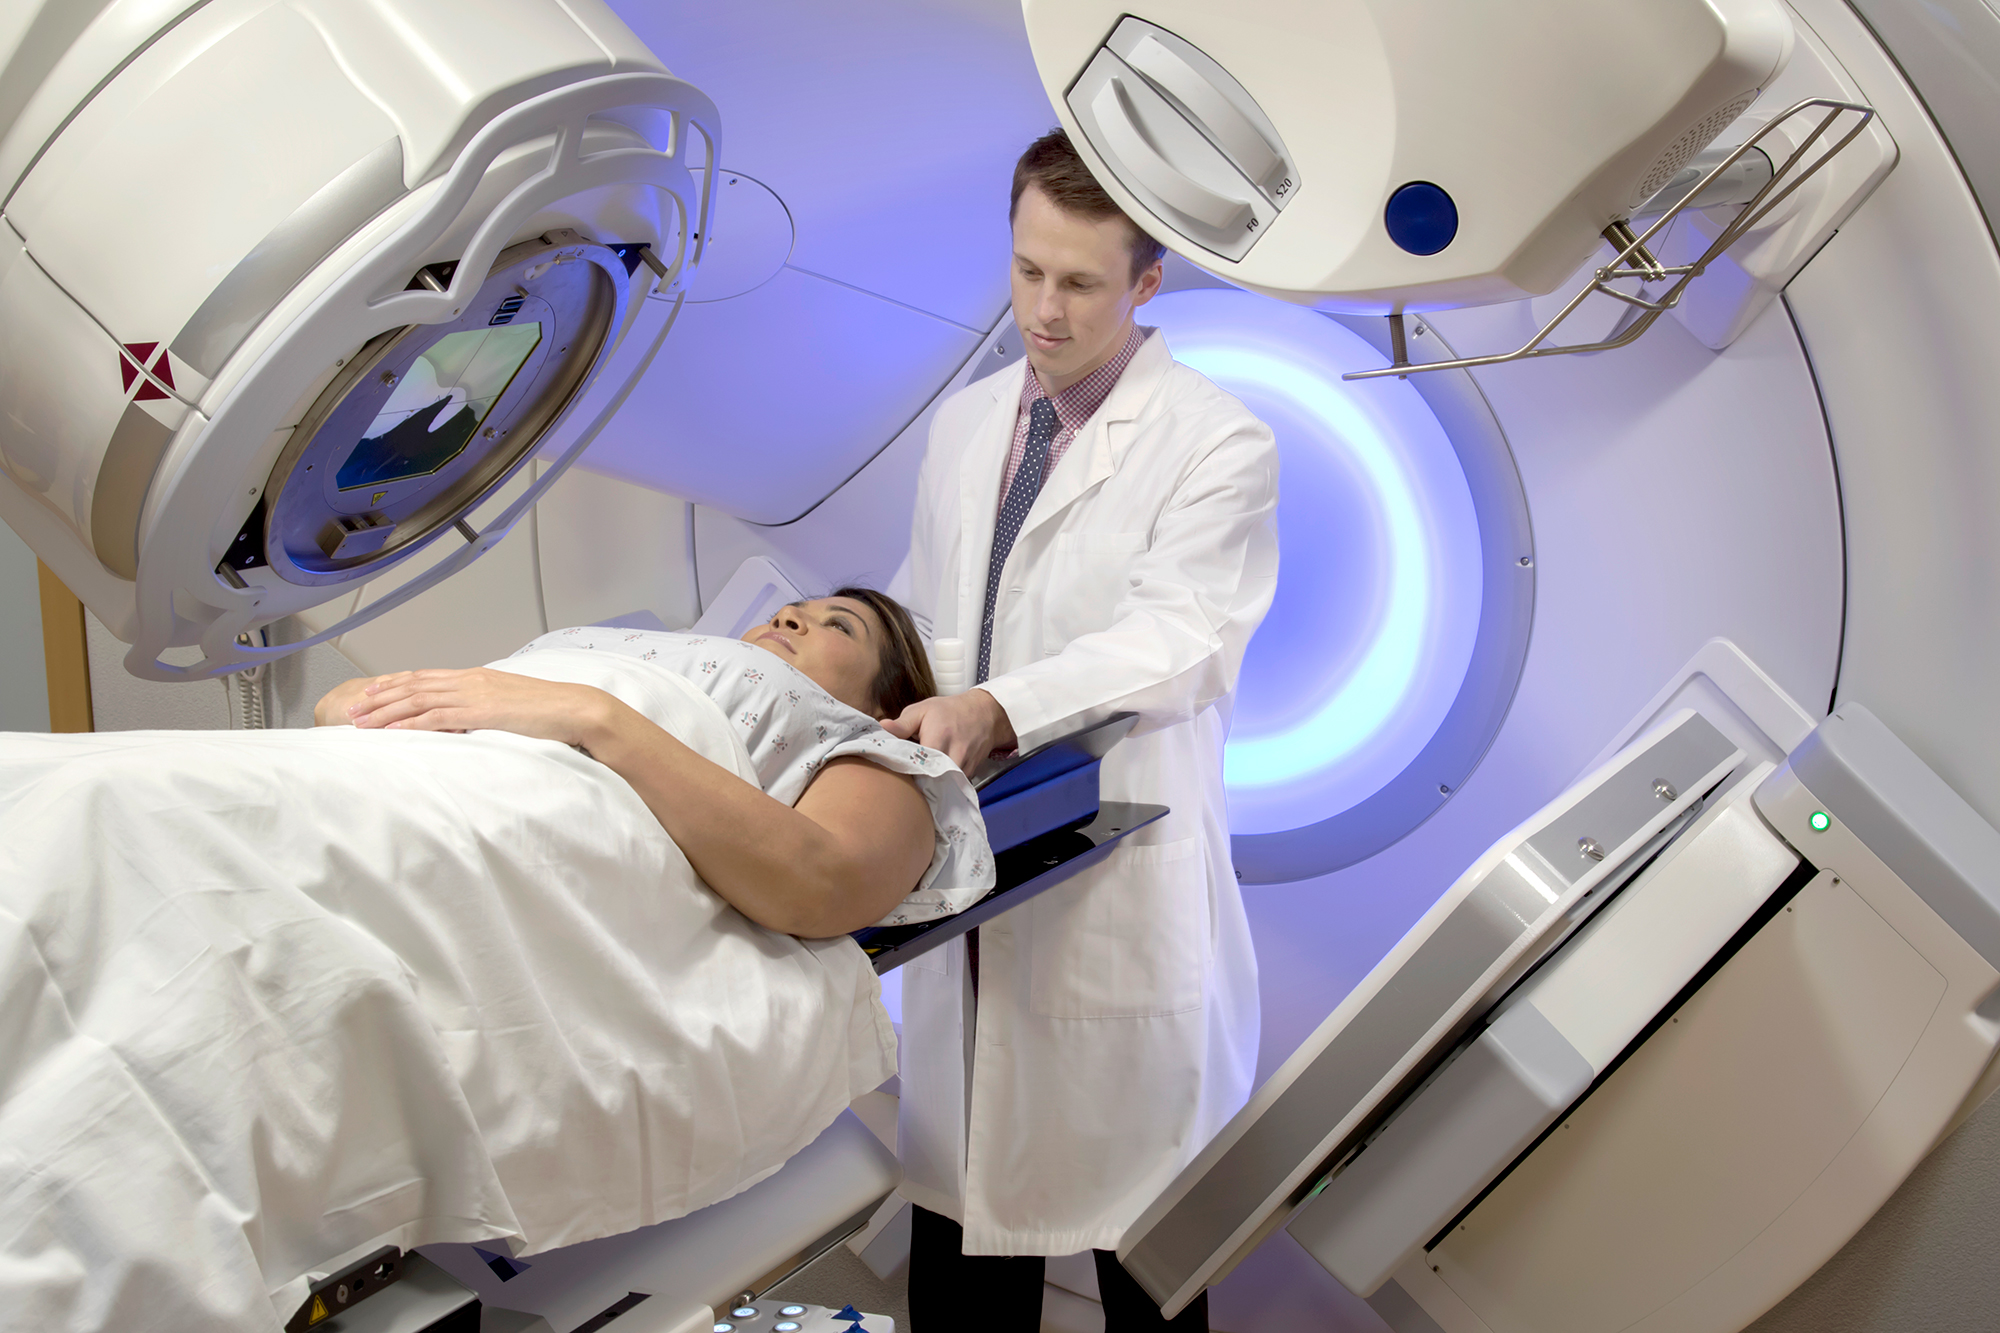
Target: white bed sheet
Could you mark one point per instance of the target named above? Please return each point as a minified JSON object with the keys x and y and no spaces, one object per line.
{"x":271,"y":998}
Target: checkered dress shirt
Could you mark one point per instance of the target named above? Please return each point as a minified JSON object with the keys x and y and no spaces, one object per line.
{"x":1074,"y":406}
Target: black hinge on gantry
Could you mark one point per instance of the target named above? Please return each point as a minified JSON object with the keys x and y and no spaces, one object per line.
{"x":246,"y":548}
{"x":610,"y":1312}
{"x":433,"y":277}
{"x":634,"y":253}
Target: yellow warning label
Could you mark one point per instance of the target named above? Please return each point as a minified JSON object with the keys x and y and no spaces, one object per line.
{"x":319,"y":1311}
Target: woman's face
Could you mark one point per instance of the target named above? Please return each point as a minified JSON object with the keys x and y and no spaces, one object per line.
{"x":835,"y":641}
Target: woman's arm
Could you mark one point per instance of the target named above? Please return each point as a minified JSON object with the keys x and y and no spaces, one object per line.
{"x":856,"y":843}
{"x":332,"y":708}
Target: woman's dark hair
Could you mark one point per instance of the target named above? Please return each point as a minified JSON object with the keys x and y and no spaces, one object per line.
{"x":905,"y":672}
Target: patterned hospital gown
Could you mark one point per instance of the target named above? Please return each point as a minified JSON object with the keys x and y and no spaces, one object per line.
{"x":792,"y":728}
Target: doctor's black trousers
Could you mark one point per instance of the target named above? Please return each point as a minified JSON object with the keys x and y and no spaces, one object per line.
{"x":953,"y":1292}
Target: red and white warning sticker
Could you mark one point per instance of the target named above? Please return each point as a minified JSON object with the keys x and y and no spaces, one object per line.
{"x":132,"y":358}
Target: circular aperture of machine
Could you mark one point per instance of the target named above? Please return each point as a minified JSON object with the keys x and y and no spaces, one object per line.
{"x":1402,"y":602}
{"x":427,"y":419}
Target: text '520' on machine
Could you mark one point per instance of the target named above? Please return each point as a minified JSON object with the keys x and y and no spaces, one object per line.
{"x":288,"y":289}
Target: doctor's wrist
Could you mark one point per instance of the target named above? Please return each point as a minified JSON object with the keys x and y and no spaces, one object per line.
{"x":998,"y":725}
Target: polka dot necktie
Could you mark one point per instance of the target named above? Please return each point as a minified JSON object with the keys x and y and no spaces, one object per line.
{"x":1020,"y":499}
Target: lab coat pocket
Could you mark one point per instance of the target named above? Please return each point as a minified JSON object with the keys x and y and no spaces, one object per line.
{"x":1090,"y":571}
{"x":1128,"y":942}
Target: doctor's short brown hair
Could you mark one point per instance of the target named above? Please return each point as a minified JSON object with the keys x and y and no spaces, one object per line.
{"x":1053,"y":166}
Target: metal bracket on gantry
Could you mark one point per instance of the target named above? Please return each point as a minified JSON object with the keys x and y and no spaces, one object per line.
{"x":1743,"y":175}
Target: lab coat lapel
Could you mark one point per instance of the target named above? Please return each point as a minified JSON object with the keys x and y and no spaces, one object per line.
{"x":979,"y":471}
{"x":1104,"y":438}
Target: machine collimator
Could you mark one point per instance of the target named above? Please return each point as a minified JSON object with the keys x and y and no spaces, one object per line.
{"x":1298,"y":150}
{"x":288,"y":291}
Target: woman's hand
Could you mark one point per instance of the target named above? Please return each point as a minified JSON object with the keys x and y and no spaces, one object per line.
{"x":331,"y":710}
{"x":483,"y":699}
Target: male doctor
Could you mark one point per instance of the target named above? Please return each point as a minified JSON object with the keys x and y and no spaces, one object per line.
{"x":1097,"y":524}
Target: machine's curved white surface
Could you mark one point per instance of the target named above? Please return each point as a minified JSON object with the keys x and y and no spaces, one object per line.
{"x":1899,"y":313}
{"x":888,"y":128}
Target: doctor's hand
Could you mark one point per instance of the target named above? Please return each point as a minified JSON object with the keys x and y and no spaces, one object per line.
{"x":481,"y":699}
{"x":966,"y":727}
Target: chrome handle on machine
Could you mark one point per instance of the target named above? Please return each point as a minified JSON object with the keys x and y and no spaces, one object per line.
{"x":1736,"y":175}
{"x":1174,"y":183}
{"x":1205,"y":106}
{"x":1174,"y":128}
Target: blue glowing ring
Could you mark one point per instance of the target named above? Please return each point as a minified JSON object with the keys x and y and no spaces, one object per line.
{"x":1333,"y":736}
{"x":1352,"y":715}
{"x":1371,"y":689}
{"x":1326,"y":835}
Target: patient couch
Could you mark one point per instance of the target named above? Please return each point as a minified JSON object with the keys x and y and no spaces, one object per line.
{"x":1046,"y":823}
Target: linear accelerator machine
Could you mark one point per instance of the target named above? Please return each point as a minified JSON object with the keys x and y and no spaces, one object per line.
{"x":461,"y":231}
{"x":1659,"y":1052}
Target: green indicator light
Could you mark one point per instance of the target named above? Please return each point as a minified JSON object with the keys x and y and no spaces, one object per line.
{"x":1820,"y":822}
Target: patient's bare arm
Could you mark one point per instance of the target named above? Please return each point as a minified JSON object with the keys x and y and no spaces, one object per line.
{"x":858,"y":840}
{"x":331,"y":710}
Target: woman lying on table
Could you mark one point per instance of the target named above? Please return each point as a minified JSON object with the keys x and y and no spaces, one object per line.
{"x":275,"y":999}
{"x":831,"y":859}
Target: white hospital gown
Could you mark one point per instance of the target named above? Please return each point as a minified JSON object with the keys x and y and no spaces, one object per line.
{"x":792,"y":727}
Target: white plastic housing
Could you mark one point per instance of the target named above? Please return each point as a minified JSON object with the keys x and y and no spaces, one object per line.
{"x":1589,"y":1004}
{"x":204,"y":215}
{"x":1264,"y":143}
{"x":710,"y":1256}
{"x":1748,"y":1138}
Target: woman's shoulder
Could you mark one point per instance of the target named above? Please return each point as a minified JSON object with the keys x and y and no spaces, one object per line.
{"x":961,"y":870}
{"x":786,"y":721}
{"x":873,"y":743}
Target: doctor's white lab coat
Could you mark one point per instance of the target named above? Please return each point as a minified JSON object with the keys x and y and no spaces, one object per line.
{"x":1116,"y":1025}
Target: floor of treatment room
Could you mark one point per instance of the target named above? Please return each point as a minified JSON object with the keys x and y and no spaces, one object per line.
{"x":840,"y":1277}
{"x":1276,"y":1287}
